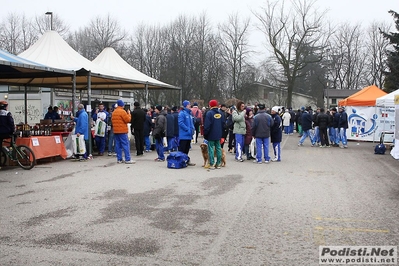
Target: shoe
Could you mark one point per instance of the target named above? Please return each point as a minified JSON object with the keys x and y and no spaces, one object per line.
{"x":89,"y":157}
{"x":321,"y":146}
{"x":159,"y":160}
{"x":140,"y":154}
{"x":114,"y":154}
{"x":341,"y":146}
{"x":239,"y":160}
{"x":212,"y":167}
{"x":266,"y":162}
{"x":191,"y":164}
{"x":147,"y":150}
{"x":130,"y":162}
{"x":259,"y":162}
{"x":82,"y":159}
{"x":230,"y":151}
{"x":119,"y":162}
{"x":218,"y":167}
{"x":300,"y":144}
{"x":275,"y":160}
{"x":345,"y":146}
{"x":110,"y":154}
{"x":100,"y":154}
{"x":312,"y":145}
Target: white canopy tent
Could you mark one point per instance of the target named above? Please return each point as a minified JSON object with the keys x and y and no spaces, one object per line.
{"x":387,"y":100}
{"x":111,"y":60}
{"x":53,"y":51}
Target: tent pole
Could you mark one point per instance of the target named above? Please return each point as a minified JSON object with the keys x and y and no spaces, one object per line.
{"x":26,"y":104}
{"x":73,"y":107}
{"x":146,"y":95}
{"x":89,"y":110}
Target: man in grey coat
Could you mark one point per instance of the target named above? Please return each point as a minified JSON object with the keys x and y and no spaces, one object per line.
{"x":261,"y":132}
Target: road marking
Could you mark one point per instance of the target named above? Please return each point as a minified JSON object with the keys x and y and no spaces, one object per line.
{"x":352,"y":229}
{"x":343,"y":220}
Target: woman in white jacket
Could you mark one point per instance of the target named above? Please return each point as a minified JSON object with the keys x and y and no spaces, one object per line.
{"x":286,"y":122}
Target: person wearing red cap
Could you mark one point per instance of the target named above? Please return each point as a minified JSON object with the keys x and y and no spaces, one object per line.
{"x":213,"y":131}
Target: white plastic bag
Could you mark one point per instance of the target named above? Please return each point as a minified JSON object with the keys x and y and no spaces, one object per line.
{"x":252,"y":147}
{"x":165,"y":141}
{"x":79,"y":146}
{"x":100,"y":127}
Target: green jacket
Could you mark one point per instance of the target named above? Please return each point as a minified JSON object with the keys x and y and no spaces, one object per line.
{"x":239,"y":122}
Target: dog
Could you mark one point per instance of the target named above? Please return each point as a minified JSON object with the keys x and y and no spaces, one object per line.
{"x":205,"y":156}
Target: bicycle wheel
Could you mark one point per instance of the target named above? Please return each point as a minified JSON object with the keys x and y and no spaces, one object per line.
{"x":3,"y":157}
{"x":25,"y":157}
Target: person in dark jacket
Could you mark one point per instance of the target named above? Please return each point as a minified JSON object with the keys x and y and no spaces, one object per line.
{"x":306,"y":120}
{"x":175,"y":113}
{"x":331,"y":131}
{"x":159,"y":132}
{"x":213,"y":132}
{"x":343,"y":125}
{"x":323,"y":121}
{"x":170,"y":130}
{"x":249,"y":120}
{"x":147,"y":130}
{"x":261,"y":131}
{"x":7,"y":126}
{"x":276,"y":134}
{"x":335,"y":123}
{"x":137,"y":127}
{"x":316,"y":126}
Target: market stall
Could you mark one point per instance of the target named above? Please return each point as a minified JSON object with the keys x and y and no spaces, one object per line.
{"x":363,"y":116}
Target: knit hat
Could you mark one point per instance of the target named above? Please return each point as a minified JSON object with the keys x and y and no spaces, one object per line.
{"x":174,"y":108}
{"x":136,"y":104}
{"x":120,"y":103}
{"x":195,"y":104}
{"x":248,"y":110}
{"x":261,"y":106}
{"x":275,"y":109}
{"x":159,"y":107}
{"x":185,"y":103}
{"x":213,"y":103}
{"x":302,"y":108}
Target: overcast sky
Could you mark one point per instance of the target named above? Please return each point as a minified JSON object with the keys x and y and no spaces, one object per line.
{"x":130,"y":13}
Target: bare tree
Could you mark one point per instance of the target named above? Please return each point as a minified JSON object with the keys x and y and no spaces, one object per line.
{"x":348,"y":57}
{"x":234,"y":40}
{"x":376,"y":47}
{"x":290,"y":34}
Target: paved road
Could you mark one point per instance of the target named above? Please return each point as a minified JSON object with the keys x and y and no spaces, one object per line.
{"x":102,"y":213}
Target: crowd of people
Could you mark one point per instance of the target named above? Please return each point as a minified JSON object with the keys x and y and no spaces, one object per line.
{"x":248,"y":131}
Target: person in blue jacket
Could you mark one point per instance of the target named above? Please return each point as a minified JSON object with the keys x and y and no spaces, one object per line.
{"x":186,"y":129}
{"x":82,"y":128}
{"x":213,"y":132}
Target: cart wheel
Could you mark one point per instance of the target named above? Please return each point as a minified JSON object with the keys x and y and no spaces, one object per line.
{"x":3,"y":157}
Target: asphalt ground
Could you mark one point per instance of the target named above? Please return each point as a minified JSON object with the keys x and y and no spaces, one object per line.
{"x":99,"y":212}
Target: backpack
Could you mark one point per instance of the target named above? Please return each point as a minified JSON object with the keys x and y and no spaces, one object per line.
{"x":197,"y":119}
{"x":229,"y":122}
{"x":177,"y":160}
{"x":379,"y":149}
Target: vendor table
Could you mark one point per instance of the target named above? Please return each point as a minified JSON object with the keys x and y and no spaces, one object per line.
{"x":45,"y":146}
